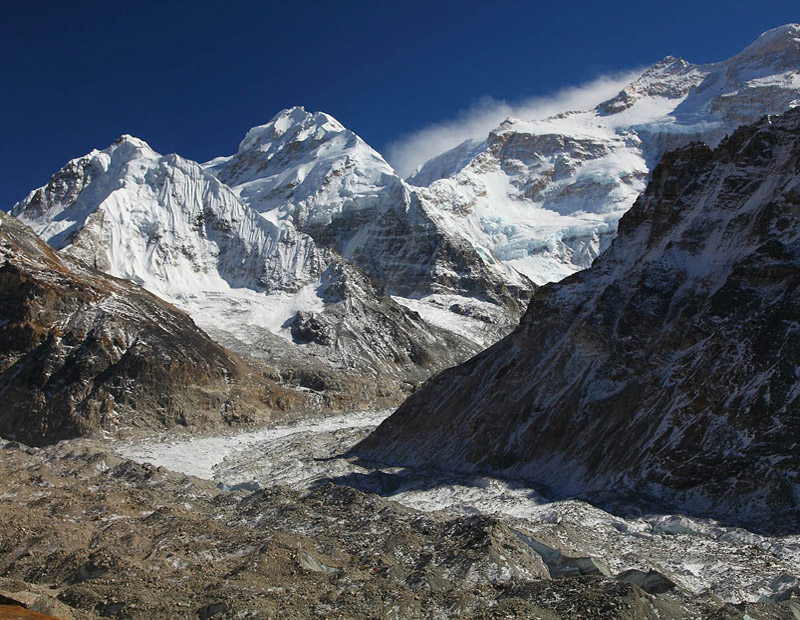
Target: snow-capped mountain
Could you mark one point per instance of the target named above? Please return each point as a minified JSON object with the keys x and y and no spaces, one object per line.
{"x":667,"y":371}
{"x":307,"y":169}
{"x":276,"y":249}
{"x":165,"y":223}
{"x":545,"y":196}
{"x":252,"y":280}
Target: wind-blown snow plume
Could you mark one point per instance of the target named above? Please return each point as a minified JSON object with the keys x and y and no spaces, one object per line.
{"x":409,"y":152}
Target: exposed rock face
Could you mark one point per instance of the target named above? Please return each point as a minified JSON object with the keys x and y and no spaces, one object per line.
{"x":382,"y":349}
{"x":82,"y":352}
{"x":666,"y":371}
{"x":544,"y":196}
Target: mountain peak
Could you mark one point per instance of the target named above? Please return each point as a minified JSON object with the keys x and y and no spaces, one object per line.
{"x":782,"y":35}
{"x":133,"y":141}
{"x":291,"y":124}
{"x":668,"y":64}
{"x":778,"y":48}
{"x":671,"y":78}
{"x":300,"y":161}
{"x":294,"y":110}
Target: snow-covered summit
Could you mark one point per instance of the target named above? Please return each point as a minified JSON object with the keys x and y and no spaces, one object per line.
{"x":544,"y":196}
{"x":304,"y":167}
{"x":670,"y":78}
{"x":293,"y":122}
{"x":778,"y":48}
{"x":164,"y":222}
{"x":133,"y":141}
{"x":240,"y":262}
{"x":56,"y":210}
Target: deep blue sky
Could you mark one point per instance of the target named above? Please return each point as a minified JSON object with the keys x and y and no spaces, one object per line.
{"x":192,"y":76}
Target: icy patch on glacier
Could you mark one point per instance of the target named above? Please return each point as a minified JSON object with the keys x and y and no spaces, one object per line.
{"x":237,"y":311}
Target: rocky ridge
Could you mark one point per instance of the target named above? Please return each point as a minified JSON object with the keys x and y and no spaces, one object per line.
{"x":667,"y":371}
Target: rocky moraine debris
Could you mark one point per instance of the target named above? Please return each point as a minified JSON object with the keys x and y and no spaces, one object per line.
{"x":106,"y":537}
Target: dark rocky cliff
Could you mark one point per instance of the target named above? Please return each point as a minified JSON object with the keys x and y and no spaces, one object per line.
{"x":670,"y":370}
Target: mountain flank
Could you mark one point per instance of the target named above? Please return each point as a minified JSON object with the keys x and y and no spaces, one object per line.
{"x":82,"y":352}
{"x":668,"y":371}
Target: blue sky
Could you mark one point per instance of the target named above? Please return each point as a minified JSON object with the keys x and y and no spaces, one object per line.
{"x":192,"y":76}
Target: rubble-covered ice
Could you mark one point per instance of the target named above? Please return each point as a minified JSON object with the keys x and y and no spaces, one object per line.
{"x":700,"y":555}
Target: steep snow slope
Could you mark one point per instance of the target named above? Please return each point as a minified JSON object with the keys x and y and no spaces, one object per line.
{"x":305,"y":168}
{"x":165,"y":223}
{"x":668,"y":371}
{"x":545,"y":196}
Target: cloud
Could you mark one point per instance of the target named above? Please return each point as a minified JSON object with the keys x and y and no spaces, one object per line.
{"x":409,"y":152}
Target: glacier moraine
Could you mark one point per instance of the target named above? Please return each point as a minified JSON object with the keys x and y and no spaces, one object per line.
{"x":700,"y":555}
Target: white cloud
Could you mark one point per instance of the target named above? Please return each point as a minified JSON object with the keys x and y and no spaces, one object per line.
{"x":411,"y":151}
